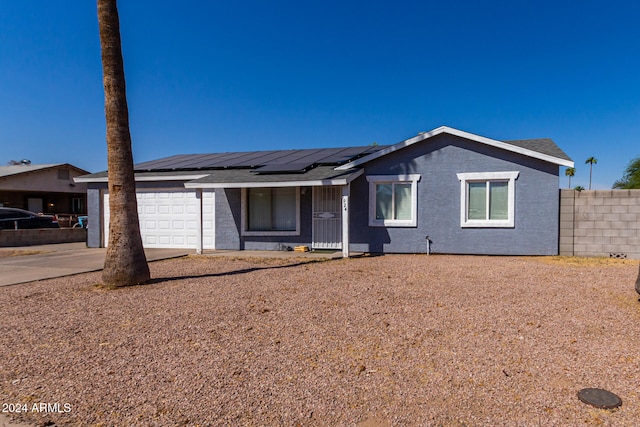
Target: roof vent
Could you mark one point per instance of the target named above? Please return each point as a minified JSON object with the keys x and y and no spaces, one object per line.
{"x":25,"y":162}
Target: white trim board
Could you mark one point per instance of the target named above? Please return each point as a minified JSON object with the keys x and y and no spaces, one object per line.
{"x":373,"y":180}
{"x":147,"y":178}
{"x":253,"y":184}
{"x":510,"y":177}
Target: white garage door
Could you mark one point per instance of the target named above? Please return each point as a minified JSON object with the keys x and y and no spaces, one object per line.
{"x":168,"y":218}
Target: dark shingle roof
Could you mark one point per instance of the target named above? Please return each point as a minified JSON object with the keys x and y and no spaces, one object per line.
{"x":541,"y":145}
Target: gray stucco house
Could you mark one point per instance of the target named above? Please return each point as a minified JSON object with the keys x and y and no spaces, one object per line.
{"x":447,"y":191}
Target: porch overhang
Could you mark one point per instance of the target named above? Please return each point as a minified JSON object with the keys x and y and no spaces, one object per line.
{"x":245,"y":178}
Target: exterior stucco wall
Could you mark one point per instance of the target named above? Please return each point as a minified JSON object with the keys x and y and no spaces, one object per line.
{"x":439,"y":197}
{"x":228,"y":219}
{"x":94,"y":211}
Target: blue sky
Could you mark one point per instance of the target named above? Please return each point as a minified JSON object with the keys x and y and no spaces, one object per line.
{"x":233,"y":76}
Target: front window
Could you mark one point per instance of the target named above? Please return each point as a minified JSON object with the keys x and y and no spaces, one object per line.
{"x":393,"y":200}
{"x":487,"y":199}
{"x":77,"y":205}
{"x":271,"y":211}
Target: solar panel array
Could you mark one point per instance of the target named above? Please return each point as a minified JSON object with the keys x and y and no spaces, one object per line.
{"x":262,"y":161}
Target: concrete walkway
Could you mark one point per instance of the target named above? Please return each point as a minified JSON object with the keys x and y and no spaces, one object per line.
{"x":29,"y":263}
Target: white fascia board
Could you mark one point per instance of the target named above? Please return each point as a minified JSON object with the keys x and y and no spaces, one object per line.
{"x":147,"y":178}
{"x":509,"y":147}
{"x":253,"y":184}
{"x":445,"y":129}
{"x":318,"y":183}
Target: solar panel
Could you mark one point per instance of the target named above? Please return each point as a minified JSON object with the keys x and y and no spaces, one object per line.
{"x":283,"y":168}
{"x":262,"y":161}
{"x":158,"y":164}
{"x":256,"y":158}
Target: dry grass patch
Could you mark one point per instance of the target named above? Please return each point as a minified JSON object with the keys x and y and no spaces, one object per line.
{"x":586,"y":262}
{"x":6,"y":253}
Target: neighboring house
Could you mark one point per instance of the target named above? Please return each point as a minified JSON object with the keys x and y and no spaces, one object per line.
{"x":48,"y":189}
{"x":455,"y":191}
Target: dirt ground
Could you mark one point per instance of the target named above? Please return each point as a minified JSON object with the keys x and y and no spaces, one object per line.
{"x":373,"y":341}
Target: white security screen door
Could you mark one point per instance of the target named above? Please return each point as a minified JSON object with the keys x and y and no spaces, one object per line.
{"x":327,"y":219}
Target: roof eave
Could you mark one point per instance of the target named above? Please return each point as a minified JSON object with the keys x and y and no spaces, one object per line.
{"x":293,"y":183}
{"x":39,"y":168}
{"x":145,"y":178}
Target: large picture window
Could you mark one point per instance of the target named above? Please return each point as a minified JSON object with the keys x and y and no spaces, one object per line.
{"x":393,"y":200}
{"x":271,"y":211}
{"x":487,"y":199}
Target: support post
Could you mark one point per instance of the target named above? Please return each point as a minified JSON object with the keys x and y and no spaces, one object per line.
{"x":199,"y":225}
{"x":345,"y":220}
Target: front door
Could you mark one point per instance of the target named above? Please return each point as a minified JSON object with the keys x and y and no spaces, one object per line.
{"x":35,"y":204}
{"x":327,"y":219}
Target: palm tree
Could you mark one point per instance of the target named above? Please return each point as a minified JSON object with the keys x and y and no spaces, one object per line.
{"x":638,"y":282}
{"x":631,"y":177}
{"x":125,"y":262}
{"x":591,"y":161}
{"x":570,"y":172}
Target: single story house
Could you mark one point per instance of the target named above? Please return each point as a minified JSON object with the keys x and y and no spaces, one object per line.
{"x":444,"y":191}
{"x":43,"y":188}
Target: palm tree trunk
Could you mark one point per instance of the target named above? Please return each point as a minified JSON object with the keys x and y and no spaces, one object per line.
{"x":638,"y":281}
{"x":125,"y":262}
{"x":590,"y":171}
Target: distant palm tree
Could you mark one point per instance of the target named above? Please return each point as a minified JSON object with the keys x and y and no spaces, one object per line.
{"x":125,"y":262}
{"x":570,"y":172}
{"x":591,"y":161}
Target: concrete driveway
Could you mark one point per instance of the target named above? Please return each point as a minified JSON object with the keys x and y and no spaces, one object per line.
{"x":29,"y":263}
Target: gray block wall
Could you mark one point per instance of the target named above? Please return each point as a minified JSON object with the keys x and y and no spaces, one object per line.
{"x":41,"y":236}
{"x":600,"y":223}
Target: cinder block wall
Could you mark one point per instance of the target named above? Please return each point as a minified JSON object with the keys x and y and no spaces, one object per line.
{"x":600,"y":223}
{"x":41,"y":236}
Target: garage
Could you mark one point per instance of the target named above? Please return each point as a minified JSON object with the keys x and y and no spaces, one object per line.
{"x":170,"y":218}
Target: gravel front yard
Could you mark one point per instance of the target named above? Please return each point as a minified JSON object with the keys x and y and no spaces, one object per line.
{"x":394,"y":340}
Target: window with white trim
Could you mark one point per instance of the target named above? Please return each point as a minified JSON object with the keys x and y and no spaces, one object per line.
{"x":487,"y":199}
{"x":393,"y":200}
{"x":271,"y":211}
